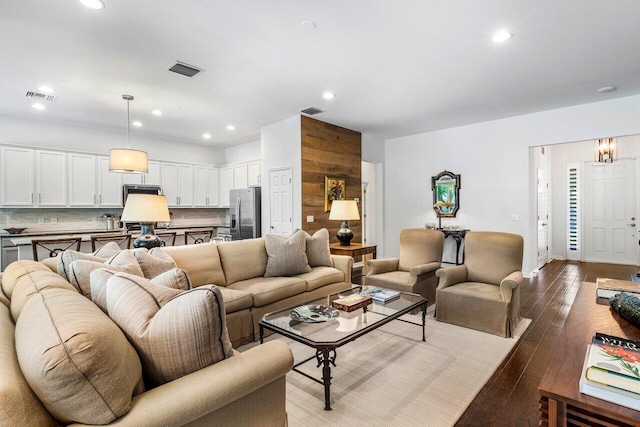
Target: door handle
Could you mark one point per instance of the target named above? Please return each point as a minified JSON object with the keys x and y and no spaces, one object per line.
{"x":633,"y":224}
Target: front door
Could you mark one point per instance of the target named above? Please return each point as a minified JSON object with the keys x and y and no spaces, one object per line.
{"x":281,"y":202}
{"x":610,"y":212}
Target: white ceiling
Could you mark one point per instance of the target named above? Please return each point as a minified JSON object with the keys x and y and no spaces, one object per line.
{"x":397,"y":67}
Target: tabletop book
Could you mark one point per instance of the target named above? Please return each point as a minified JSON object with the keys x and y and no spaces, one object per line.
{"x":611,"y":370}
{"x":381,"y":295}
{"x":607,"y":288}
{"x":351,"y":302}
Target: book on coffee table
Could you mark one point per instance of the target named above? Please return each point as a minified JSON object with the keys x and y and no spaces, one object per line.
{"x":607,"y":288}
{"x":351,"y":302}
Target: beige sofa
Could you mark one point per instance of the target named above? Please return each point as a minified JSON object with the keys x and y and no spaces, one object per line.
{"x":245,"y":389}
{"x":238,"y":268}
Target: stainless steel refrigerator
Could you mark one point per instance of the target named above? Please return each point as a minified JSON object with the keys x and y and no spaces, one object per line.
{"x":246,"y":215}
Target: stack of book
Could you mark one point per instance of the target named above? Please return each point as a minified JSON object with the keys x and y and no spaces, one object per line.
{"x":381,"y":295}
{"x":611,"y":370}
{"x":607,"y":288}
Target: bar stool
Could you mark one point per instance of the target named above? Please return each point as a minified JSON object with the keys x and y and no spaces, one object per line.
{"x":197,"y":236}
{"x":168,"y":238}
{"x":55,"y":246}
{"x":99,"y":240}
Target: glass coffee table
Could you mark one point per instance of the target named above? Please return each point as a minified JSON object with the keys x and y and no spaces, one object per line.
{"x":326,"y":336}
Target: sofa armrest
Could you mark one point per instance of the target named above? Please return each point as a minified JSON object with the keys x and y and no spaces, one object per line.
{"x":508,"y":284}
{"x":450,"y":276}
{"x":195,"y":395}
{"x":379,"y":266}
{"x":419,"y":270}
{"x":343,"y":263}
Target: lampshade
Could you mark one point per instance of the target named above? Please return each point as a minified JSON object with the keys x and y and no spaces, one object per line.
{"x":344,"y":210}
{"x":127,"y":160}
{"x":145,"y":208}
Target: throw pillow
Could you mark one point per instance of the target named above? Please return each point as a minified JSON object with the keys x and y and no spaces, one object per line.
{"x":318,"y":249}
{"x":64,"y":259}
{"x":75,"y":359}
{"x":175,"y":332}
{"x":286,"y":257}
{"x":154,"y":262}
{"x":107,"y":250}
{"x":79,"y":271}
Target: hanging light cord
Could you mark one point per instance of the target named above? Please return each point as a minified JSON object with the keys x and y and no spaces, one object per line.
{"x":128,"y":127}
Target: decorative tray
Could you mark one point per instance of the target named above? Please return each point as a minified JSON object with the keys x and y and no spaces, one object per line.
{"x":314,"y":313}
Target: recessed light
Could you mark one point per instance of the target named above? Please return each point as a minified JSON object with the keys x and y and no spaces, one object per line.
{"x":607,"y":89}
{"x":206,"y":136}
{"x":156,"y":112}
{"x":501,"y":36}
{"x":328,"y":95}
{"x":308,"y":25}
{"x":137,"y":123}
{"x":231,"y":127}
{"x":38,"y":106}
{"x":46,"y":89}
{"x":93,"y":4}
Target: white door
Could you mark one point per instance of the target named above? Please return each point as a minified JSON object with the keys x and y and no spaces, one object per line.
{"x":240,"y":176}
{"x":51,"y":178}
{"x":170,"y":182}
{"x":212,"y":186}
{"x":543,"y":218}
{"x":185,"y":185}
{"x":610,"y":212}
{"x":200,"y":185}
{"x":281,"y":192}
{"x":109,"y":184}
{"x":16,"y":176}
{"x":226,"y":184}
{"x":82,"y":179}
{"x":253,"y":174}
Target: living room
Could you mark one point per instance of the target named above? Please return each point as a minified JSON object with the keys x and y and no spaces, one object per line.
{"x":429,"y":94}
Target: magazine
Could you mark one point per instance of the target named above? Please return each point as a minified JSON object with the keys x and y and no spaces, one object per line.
{"x":381,"y":294}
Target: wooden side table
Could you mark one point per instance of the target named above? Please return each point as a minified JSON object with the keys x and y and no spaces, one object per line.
{"x":353,"y":250}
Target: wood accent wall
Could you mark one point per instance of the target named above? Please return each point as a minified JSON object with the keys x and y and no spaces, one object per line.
{"x":329,"y":150}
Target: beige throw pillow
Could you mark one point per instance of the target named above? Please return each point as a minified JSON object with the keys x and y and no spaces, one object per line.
{"x":286,"y":257}
{"x":154,"y":262}
{"x":64,"y":259}
{"x":79,"y":271}
{"x":318,"y":249}
{"x":175,"y":332}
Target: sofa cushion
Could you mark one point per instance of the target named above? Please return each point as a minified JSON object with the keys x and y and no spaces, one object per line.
{"x":321,"y":276}
{"x":52,"y":263}
{"x":236,"y":300}
{"x":266,"y":290}
{"x":318,"y":251}
{"x":286,"y":257}
{"x":3,"y":298}
{"x":202,"y":263}
{"x":175,"y":332}
{"x":64,"y":259}
{"x":154,"y":263}
{"x":19,"y":406}
{"x":79,"y":271}
{"x":243,"y":259}
{"x":17,"y":270}
{"x":32,"y":284}
{"x":75,"y":359}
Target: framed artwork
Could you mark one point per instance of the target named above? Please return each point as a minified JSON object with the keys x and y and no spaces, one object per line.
{"x":334,"y":189}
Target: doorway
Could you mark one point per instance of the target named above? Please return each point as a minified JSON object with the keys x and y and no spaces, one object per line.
{"x":281,"y":206}
{"x":543,"y":218}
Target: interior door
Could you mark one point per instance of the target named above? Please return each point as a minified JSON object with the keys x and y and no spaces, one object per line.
{"x":543,"y":218}
{"x":610,"y":212}
{"x":281,"y":208}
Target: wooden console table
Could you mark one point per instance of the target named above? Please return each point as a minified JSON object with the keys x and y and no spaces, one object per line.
{"x":561,"y":402}
{"x":353,"y":250}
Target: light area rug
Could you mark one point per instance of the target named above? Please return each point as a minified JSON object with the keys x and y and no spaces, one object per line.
{"x":389,"y":377}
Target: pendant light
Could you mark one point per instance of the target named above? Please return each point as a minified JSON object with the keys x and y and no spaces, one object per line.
{"x":127,"y":160}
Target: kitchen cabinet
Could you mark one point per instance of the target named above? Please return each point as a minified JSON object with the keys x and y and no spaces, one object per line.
{"x":254,"y":179}
{"x":226,"y":184}
{"x":82,"y":179}
{"x":51,"y":178}
{"x":16,"y":177}
{"x":109,"y":184}
{"x":240,"y":176}
{"x":150,"y":178}
{"x":177,"y":183}
{"x":205,"y":186}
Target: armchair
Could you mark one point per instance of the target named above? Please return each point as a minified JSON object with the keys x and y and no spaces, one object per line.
{"x":484,"y":292}
{"x":414,"y":270}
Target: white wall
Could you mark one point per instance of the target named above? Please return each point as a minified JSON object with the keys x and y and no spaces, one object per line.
{"x":493,"y":161}
{"x":281,"y":146}
{"x":243,"y":152}
{"x":64,"y":136}
{"x":372,"y":149}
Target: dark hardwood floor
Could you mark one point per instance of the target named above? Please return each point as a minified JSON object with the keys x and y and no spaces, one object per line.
{"x":510,"y":398}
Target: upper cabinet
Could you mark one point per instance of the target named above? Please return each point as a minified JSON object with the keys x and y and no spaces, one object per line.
{"x":16,"y":176}
{"x":205,"y":186}
{"x":240,"y":176}
{"x":82,"y":180}
{"x":253,"y":174}
{"x":150,"y":178}
{"x":51,"y":178}
{"x":177,"y":184}
{"x":109,"y":183}
{"x":226,"y":184}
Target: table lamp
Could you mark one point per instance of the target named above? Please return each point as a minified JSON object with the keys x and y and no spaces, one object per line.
{"x":147,"y":209}
{"x":345,"y":211}
{"x":439,"y":204}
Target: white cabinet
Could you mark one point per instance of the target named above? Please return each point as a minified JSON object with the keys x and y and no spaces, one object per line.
{"x":205,"y":186}
{"x":51,"y":178}
{"x":150,"y":178}
{"x":226,"y":184}
{"x":16,"y":177}
{"x":177,"y":183}
{"x":240,"y":176}
{"x":82,"y":179}
{"x":253,"y":174}
{"x":109,"y":185}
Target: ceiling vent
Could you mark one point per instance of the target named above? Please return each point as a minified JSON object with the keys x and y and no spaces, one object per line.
{"x":40,"y":96}
{"x":185,"y":69}
{"x":311,"y":111}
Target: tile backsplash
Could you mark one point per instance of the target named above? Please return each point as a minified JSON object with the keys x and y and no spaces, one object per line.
{"x":37,"y":219}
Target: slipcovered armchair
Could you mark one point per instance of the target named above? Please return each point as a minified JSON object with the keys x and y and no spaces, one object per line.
{"x":484,"y":292}
{"x":414,"y":270}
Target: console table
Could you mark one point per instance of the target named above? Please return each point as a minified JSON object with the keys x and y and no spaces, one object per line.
{"x":561,"y":402}
{"x":458,"y":236}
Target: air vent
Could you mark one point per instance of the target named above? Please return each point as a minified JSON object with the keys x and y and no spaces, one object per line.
{"x":311,"y":111}
{"x":40,"y":96}
{"x":185,"y":69}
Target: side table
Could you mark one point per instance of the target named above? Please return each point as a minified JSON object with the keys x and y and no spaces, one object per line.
{"x":458,"y":236}
{"x":353,"y":250}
